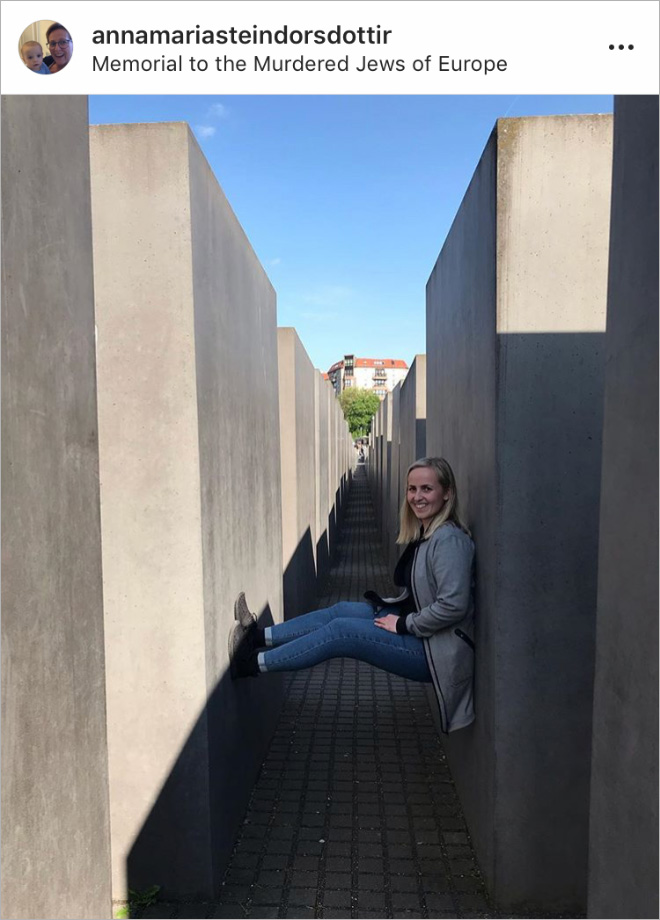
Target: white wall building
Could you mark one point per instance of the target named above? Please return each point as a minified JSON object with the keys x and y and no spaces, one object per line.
{"x":380,"y":375}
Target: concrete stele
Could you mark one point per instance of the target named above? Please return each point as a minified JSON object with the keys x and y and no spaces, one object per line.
{"x":55,"y":821}
{"x":412,"y":415}
{"x":623,"y":841}
{"x":190,"y":500}
{"x":515,"y":314}
{"x":394,"y":485}
{"x":297,"y":438}
{"x":322,"y":394}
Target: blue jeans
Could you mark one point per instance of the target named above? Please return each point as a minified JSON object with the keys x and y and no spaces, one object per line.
{"x":346,"y":630}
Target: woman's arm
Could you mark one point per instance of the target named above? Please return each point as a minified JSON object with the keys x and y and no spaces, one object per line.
{"x":450,"y":559}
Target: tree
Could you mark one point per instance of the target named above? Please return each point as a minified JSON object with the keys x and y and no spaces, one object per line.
{"x":359,"y":406}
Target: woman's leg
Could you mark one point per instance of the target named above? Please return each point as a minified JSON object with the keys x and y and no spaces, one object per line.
{"x":350,"y":637}
{"x":308,"y":623}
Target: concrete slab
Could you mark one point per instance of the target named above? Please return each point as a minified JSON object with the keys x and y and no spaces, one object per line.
{"x":297,"y":438}
{"x":515,"y":322}
{"x":412,"y":413}
{"x":323,"y":393}
{"x":623,"y":843}
{"x":190,"y":501}
{"x":394,"y":484}
{"x":55,"y":823}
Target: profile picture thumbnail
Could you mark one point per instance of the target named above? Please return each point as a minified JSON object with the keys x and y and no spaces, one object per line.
{"x":45,"y":47}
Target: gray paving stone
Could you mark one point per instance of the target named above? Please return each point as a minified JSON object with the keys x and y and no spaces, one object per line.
{"x":275,"y":861}
{"x":337,"y":898}
{"x":302,"y":897}
{"x":338,"y":880}
{"x":236,"y":893}
{"x":355,"y":763}
{"x":439,"y":902}
{"x":402,"y":902}
{"x":338,"y":864}
{"x":270,"y":877}
{"x":266,"y":895}
{"x":367,"y":864}
{"x":371,"y":900}
{"x":236,"y":876}
{"x":404,"y":883}
{"x":304,"y":879}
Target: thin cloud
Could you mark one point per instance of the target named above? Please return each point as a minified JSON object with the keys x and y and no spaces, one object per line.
{"x":205,"y":130}
{"x":217,"y":110}
{"x":274,"y":261}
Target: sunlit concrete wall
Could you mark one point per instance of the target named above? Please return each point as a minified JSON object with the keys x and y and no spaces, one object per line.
{"x":55,"y":823}
{"x":190,"y":502}
{"x":412,"y":437}
{"x":405,"y":409}
{"x":516,"y":310}
{"x":378,"y":471}
{"x":323,"y":396}
{"x":373,"y":459}
{"x":386,"y":462}
{"x":393,"y":489}
{"x":298,"y":426}
{"x":623,"y":844}
{"x":342,"y":462}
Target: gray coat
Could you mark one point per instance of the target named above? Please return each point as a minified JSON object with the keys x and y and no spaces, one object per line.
{"x":442,"y":583}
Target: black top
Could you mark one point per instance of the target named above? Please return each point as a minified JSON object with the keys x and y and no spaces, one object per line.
{"x":403,"y":577}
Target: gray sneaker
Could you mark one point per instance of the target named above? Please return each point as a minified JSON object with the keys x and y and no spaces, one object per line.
{"x":242,"y":642}
{"x":242,"y":613}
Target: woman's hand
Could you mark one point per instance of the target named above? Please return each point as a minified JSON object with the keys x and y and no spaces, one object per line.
{"x":387,"y":622}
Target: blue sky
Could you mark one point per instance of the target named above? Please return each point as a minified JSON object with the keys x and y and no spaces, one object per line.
{"x":346,"y":200}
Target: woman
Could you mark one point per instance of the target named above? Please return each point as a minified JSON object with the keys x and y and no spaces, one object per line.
{"x":60,"y":45}
{"x":424,"y":634}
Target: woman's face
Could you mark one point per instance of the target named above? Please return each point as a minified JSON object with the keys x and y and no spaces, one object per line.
{"x":425,"y":495}
{"x":60,"y":46}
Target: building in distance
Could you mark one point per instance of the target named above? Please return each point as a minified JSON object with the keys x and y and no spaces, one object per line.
{"x":379,"y":375}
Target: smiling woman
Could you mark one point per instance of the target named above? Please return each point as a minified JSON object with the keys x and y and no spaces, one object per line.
{"x":424,"y":634}
{"x":60,"y":46}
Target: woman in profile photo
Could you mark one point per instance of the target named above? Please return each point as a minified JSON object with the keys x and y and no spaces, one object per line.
{"x":60,"y":47}
{"x":424,"y":634}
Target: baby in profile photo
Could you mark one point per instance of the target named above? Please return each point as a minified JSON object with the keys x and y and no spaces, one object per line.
{"x":32,"y":55}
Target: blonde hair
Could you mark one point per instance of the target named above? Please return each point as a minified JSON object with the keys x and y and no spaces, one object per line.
{"x":28,"y":44}
{"x":409,"y":525}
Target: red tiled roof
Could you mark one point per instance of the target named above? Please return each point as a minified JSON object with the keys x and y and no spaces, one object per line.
{"x":380,"y":362}
{"x":371,"y":362}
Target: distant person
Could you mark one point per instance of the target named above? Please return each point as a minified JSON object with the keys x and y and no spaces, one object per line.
{"x":424,"y":634}
{"x":60,"y":46}
{"x":32,"y":55}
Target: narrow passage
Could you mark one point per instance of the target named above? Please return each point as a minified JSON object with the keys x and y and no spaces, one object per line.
{"x":354,"y":813}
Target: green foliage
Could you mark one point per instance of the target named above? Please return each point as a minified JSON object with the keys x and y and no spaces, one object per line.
{"x":359,"y":406}
{"x":138,"y":901}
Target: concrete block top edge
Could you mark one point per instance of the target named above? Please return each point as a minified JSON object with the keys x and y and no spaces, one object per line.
{"x":504,"y":133}
{"x":574,"y":116}
{"x":119,"y":129}
{"x":140,"y":124}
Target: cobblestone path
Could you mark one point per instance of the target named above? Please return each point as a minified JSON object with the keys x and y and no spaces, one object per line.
{"x":354,"y":813}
